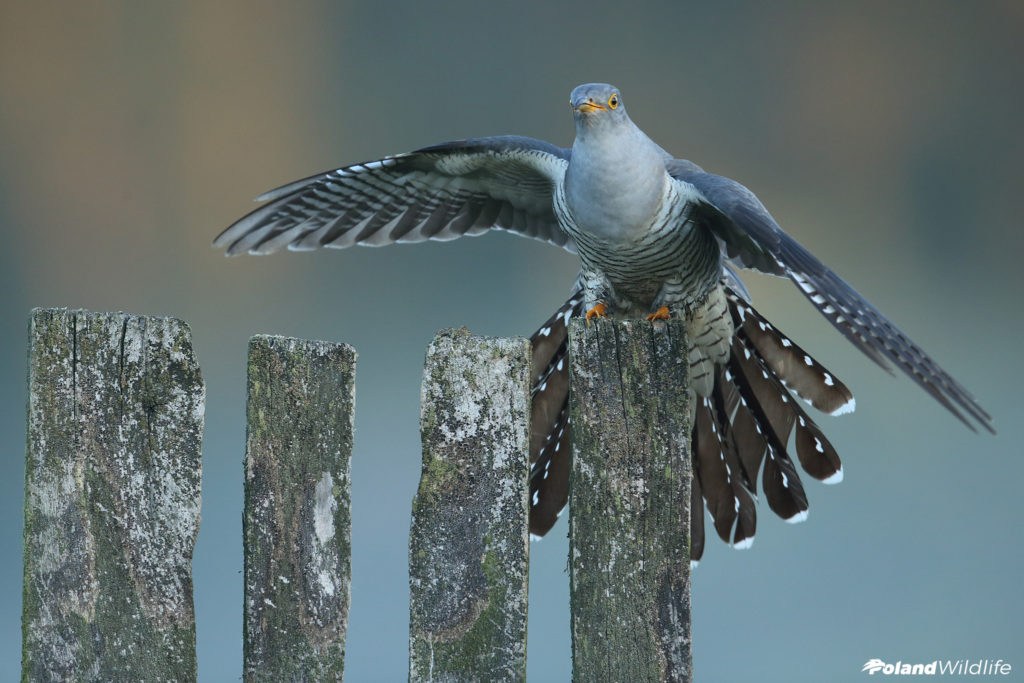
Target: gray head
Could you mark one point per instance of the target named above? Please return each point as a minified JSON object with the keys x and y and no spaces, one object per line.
{"x":597,"y":104}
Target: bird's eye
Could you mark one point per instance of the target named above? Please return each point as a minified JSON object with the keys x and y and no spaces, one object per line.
{"x":613,"y":101}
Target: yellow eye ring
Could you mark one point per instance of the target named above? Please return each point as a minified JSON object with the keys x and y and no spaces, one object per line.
{"x":613,"y":101}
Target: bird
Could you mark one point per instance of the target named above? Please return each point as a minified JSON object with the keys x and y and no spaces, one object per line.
{"x":657,"y":237}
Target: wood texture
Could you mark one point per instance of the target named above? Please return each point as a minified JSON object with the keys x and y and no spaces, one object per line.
{"x":112,"y":496}
{"x":297,"y":523}
{"x":469,"y":544}
{"x":629,"y":504}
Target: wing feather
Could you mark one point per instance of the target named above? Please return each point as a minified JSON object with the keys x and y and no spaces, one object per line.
{"x":441,"y":193}
{"x":751,"y":237}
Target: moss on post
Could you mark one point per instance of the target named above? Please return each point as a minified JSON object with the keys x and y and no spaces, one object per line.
{"x":112,"y":495}
{"x":629,"y":505}
{"x":297,"y":523}
{"x":469,"y":544}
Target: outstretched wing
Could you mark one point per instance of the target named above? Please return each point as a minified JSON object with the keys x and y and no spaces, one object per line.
{"x":753,"y":238}
{"x":441,"y":193}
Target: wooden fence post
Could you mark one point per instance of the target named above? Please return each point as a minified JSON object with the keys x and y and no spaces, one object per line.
{"x":469,"y":543}
{"x":629,"y":505}
{"x":113,"y":469}
{"x":297,"y":523}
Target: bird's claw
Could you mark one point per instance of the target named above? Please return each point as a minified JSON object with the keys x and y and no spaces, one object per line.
{"x":597,"y":312}
{"x":660,"y":314}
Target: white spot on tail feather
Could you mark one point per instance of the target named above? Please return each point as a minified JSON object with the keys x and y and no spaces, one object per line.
{"x":797,"y":518}
{"x":835,"y":478}
{"x":847,"y":407}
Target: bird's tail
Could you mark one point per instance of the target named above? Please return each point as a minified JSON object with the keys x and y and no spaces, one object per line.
{"x":742,"y":425}
{"x":743,"y":428}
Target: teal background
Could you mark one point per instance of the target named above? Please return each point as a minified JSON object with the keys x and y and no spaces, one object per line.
{"x":886,"y":136}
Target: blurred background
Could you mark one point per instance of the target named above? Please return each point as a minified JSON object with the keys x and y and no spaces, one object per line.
{"x":886,"y":137}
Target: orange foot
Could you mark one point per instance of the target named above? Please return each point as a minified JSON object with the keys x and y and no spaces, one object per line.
{"x":660,"y":314}
{"x":597,"y":311}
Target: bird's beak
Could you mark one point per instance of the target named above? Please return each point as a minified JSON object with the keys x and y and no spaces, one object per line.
{"x":587,"y":106}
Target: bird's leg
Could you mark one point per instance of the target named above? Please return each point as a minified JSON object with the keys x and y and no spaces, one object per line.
{"x":598,"y":294}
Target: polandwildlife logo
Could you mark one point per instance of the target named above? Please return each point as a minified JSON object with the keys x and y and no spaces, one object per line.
{"x":949,"y":667}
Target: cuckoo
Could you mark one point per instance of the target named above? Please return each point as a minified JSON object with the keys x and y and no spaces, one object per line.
{"x":657,"y":237}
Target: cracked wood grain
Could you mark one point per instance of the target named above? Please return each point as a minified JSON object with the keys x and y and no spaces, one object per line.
{"x":629,"y":501}
{"x":112,"y":497}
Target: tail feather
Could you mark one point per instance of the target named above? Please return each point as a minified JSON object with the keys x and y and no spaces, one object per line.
{"x":817,"y":456}
{"x":549,"y":418}
{"x":743,"y":426}
{"x":746,"y":433}
{"x":772,"y":422}
{"x":807,"y":378}
{"x":549,"y":477}
{"x":742,"y":477}
{"x":719,"y":482}
{"x":696,"y":521}
{"x":724,"y":400}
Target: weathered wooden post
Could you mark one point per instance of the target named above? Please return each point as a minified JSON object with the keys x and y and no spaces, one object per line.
{"x":113,"y":469}
{"x":297,"y":522}
{"x":469,"y":543}
{"x":629,"y":504}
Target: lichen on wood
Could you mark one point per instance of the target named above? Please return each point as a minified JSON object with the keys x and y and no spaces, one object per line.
{"x":629,"y":505}
{"x":469,"y":543}
{"x":297,"y":521}
{"x":112,"y":497}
